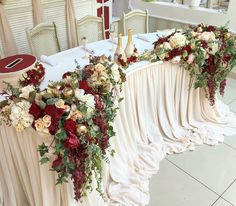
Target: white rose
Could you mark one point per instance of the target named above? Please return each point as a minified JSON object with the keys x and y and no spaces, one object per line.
{"x":166,"y":45}
{"x":115,"y":72}
{"x":26,"y":91}
{"x":177,"y":40}
{"x":79,"y":94}
{"x":191,"y":58}
{"x":176,"y":60}
{"x":213,"y":48}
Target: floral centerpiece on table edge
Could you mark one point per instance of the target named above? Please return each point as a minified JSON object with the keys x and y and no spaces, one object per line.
{"x":207,"y":52}
{"x":124,"y":61}
{"x":78,"y":112}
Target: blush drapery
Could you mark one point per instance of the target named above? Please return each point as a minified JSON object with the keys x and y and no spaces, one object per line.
{"x":7,"y":38}
{"x":159,"y":115}
{"x":37,"y":12}
{"x":71,"y":27}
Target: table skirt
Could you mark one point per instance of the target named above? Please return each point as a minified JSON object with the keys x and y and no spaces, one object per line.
{"x":160,"y":115}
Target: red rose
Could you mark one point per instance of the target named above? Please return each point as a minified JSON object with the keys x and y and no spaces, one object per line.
{"x":50,"y":110}
{"x":98,"y":103}
{"x":70,"y":125}
{"x":72,"y":141}
{"x":67,"y":74}
{"x":84,"y":85}
{"x":53,"y":127}
{"x":35,"y":110}
{"x":57,"y":164}
{"x":54,"y":112}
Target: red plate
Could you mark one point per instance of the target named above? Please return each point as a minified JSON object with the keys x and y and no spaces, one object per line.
{"x":16,"y":63}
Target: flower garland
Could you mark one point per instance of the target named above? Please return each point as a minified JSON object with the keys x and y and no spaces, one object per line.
{"x":207,"y":52}
{"x":78,"y":111}
{"x":123,"y":61}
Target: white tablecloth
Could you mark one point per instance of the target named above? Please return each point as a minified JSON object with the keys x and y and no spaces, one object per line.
{"x":159,"y":115}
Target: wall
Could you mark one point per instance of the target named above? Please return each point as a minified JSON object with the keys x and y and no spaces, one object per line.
{"x":184,"y":14}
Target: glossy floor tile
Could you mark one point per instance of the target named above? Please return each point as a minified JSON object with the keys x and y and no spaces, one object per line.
{"x":222,"y":202}
{"x":204,"y":177}
{"x":214,"y":167}
{"x":173,"y":187}
{"x":232,"y":105}
{"x":230,"y":194}
{"x":231,"y":141}
{"x":228,"y":97}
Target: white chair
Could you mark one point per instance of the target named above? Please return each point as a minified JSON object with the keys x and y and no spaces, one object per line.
{"x":137,"y":20}
{"x":43,"y":39}
{"x":91,"y":27}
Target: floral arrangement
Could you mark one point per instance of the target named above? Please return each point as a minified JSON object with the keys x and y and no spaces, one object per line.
{"x":125,"y":62}
{"x":78,"y":112}
{"x":207,"y":52}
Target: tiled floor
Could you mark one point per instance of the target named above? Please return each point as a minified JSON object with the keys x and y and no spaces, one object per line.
{"x":204,"y":177}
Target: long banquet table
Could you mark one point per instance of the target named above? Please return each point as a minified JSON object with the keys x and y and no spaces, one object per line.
{"x":159,"y":115}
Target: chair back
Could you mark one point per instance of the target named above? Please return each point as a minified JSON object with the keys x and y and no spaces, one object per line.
{"x":91,"y":27}
{"x":137,"y":20}
{"x":43,"y":39}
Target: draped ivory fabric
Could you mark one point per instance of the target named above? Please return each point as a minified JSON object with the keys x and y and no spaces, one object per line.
{"x":71,"y":27}
{"x":159,"y":115}
{"x":37,"y":12}
{"x":7,"y":39}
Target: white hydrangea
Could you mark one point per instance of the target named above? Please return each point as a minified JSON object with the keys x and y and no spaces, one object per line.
{"x":20,"y":116}
{"x":178,"y":40}
{"x":115,"y":72}
{"x":26,"y":91}
{"x":88,"y":99}
{"x":213,"y":48}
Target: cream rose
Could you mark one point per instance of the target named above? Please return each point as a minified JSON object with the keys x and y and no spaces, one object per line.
{"x":39,"y":124}
{"x":99,"y":67}
{"x":60,"y":104}
{"x":76,"y":115}
{"x":47,"y":119}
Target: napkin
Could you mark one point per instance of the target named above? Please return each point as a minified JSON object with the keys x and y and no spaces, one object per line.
{"x":142,"y":37}
{"x":45,"y":59}
{"x":90,"y":51}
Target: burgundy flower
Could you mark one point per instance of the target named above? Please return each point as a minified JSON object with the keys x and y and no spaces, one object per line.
{"x":53,"y":127}
{"x":67,"y":74}
{"x":70,"y":125}
{"x":84,"y":85}
{"x":54,"y":112}
{"x":98,"y":103}
{"x":211,"y":28}
{"x":35,"y":110}
{"x":72,"y":141}
{"x":57,"y":164}
{"x":227,"y":58}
